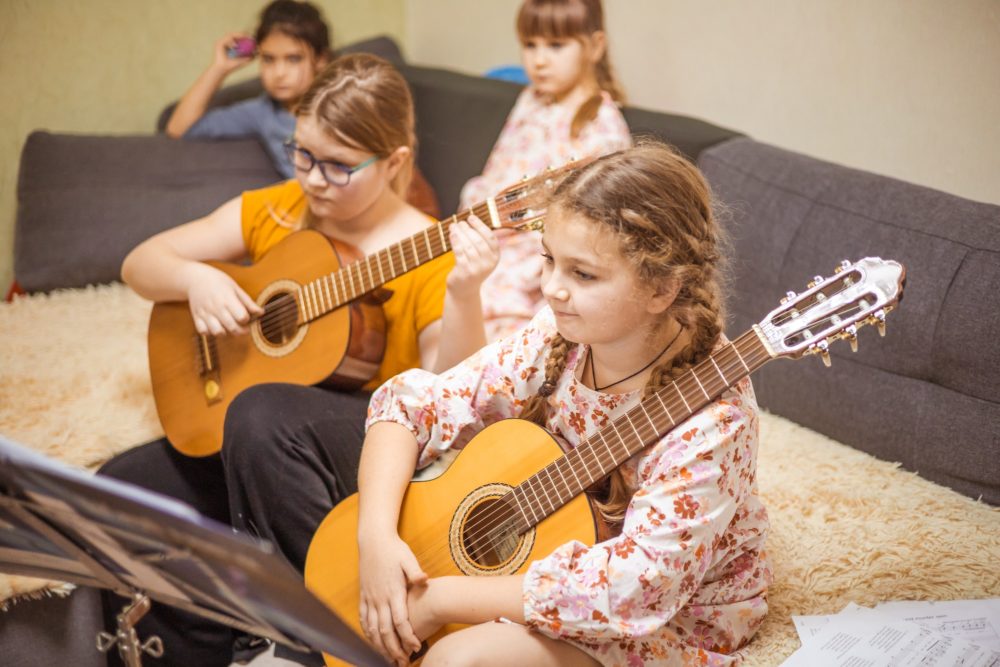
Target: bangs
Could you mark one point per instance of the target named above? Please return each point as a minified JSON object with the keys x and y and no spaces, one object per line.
{"x":554,"y":19}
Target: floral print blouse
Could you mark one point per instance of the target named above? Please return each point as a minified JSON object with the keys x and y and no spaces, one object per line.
{"x":536,"y":136}
{"x":685,"y":579}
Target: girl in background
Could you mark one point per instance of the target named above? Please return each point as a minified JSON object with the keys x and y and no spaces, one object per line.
{"x":631,"y":278}
{"x":293,"y":45}
{"x":570,"y":111}
{"x":290,"y":452}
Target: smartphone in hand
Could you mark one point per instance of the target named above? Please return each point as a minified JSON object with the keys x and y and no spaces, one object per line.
{"x":243,"y":47}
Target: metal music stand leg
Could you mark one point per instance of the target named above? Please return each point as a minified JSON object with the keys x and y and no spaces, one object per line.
{"x":129,"y":647}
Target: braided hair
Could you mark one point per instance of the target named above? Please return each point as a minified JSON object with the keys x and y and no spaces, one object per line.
{"x":660,"y":208}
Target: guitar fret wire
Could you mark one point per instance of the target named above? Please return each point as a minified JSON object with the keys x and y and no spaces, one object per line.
{"x":317,"y":288}
{"x":354,"y":288}
{"x":669,"y":416}
{"x":416,"y":253}
{"x":678,"y":390}
{"x":381,"y":275}
{"x":440,"y":228}
{"x":343,"y":286}
{"x":326,"y":290}
{"x":392,"y":266}
{"x":305,"y":305}
{"x":371,"y":276}
{"x":694,"y":374}
{"x":402,"y":257}
{"x":719,"y":371}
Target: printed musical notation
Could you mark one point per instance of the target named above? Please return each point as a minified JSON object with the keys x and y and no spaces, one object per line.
{"x":963,"y":633}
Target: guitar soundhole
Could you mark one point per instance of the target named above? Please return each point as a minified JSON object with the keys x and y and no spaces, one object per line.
{"x":279,"y":323}
{"x":487,"y":536}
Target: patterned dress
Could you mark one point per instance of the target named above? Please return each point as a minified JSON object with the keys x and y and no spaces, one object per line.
{"x":685,"y":580}
{"x":535,"y":136}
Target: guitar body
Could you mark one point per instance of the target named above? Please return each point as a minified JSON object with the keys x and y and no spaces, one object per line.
{"x":439,"y":519}
{"x":195,"y":378}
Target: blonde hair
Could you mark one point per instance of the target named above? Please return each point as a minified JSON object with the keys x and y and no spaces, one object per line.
{"x":572,"y":19}
{"x":364,"y":102}
{"x":660,"y":208}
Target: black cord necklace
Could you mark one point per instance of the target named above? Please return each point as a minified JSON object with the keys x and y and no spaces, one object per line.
{"x":593,"y":376}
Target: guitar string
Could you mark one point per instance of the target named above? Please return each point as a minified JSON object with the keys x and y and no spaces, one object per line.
{"x":650,"y":407}
{"x":347,"y":272}
{"x":591,"y":445}
{"x":478,"y":538}
{"x":287,"y":313}
{"x":554,"y":467}
{"x":510,"y":202}
{"x":687,"y":379}
{"x":506,"y":507}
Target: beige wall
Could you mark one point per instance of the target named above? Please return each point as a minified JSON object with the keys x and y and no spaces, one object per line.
{"x":908,"y":88}
{"x":107,"y":66}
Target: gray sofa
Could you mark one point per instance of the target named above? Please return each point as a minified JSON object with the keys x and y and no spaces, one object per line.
{"x":927,"y":397}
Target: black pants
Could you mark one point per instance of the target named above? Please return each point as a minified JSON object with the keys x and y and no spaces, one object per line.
{"x":289,"y":454}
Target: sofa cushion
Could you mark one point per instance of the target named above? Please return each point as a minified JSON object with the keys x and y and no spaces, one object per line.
{"x":792,"y":217}
{"x":83,"y":202}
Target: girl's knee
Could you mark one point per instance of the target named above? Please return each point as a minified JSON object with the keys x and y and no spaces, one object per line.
{"x":252,"y":425}
{"x":453,"y":650}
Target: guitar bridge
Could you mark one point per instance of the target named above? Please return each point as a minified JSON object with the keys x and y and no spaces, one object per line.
{"x":208,"y":368}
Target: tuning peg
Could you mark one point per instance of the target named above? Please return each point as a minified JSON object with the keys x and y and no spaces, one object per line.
{"x":525,"y":178}
{"x":815,"y":281}
{"x":843,"y":266}
{"x":788,"y":296}
{"x":822,"y":348}
{"x":852,"y":337}
{"x":879,"y":316}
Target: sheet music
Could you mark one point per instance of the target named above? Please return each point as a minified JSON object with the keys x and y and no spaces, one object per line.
{"x":977,"y":621}
{"x":902,"y":633}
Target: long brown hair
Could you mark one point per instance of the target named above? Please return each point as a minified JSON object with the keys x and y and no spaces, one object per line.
{"x":660,"y":208}
{"x":572,"y":19}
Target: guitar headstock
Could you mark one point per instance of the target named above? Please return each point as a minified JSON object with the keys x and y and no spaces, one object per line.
{"x":523,"y":205}
{"x":834,"y":308}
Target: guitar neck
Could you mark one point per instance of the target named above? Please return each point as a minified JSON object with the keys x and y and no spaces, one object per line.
{"x":327,"y":293}
{"x":559,"y":482}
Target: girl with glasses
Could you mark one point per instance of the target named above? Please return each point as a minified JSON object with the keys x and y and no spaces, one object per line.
{"x":291,"y":452}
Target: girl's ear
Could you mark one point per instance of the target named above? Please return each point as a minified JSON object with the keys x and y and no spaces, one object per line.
{"x":663,"y":297}
{"x":598,"y":46}
{"x":396,"y":160}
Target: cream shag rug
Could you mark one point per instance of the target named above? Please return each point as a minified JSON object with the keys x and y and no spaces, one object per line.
{"x":845,"y":527}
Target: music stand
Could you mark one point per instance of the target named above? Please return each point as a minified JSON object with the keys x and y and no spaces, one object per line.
{"x":60,"y":523}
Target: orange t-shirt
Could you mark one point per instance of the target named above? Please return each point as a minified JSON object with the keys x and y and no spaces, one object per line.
{"x":417,"y":296}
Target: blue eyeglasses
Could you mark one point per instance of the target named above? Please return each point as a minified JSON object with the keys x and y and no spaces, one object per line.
{"x":335,"y":173}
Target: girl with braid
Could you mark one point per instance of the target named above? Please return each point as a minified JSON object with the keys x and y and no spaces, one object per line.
{"x":632,"y":283}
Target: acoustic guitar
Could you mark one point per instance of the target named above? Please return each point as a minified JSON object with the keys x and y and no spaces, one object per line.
{"x":322,"y":322}
{"x":514,"y":493}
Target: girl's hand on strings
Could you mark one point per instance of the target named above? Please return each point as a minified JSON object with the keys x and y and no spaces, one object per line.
{"x":476,"y":255}
{"x":218,"y":305}
{"x":387,"y":574}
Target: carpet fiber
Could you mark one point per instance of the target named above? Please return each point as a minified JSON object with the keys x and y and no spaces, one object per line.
{"x":844,"y":526}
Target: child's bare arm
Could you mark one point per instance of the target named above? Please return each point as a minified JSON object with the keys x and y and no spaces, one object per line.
{"x":193,"y":104}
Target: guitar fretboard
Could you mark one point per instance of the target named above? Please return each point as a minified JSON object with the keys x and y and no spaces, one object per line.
{"x":562,"y":480}
{"x":327,"y":293}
